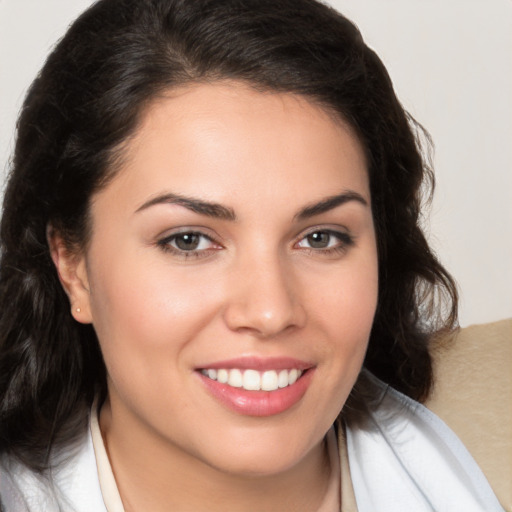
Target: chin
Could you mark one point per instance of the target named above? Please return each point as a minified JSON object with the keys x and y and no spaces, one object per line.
{"x":259,"y":455}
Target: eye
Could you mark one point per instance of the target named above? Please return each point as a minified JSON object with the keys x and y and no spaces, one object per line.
{"x":319,"y":240}
{"x":326,"y":240}
{"x":188,"y":243}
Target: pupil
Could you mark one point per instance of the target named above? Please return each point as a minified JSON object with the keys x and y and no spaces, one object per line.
{"x":318,"y":240}
{"x":187,"y":242}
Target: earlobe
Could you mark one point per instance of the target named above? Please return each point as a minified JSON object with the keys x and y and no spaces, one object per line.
{"x":72,"y":271}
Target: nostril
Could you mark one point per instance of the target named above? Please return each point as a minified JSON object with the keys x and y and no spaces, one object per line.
{"x":261,"y":323}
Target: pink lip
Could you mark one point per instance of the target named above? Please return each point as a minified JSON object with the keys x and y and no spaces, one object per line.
{"x":259,"y":403}
{"x":259,"y":363}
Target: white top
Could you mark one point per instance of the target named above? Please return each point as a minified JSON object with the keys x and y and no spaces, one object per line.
{"x":402,"y":457}
{"x":73,"y":487}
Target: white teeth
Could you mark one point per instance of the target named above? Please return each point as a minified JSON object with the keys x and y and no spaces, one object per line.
{"x":269,"y":380}
{"x":293,"y":376}
{"x":222,"y":376}
{"x":235,"y":378}
{"x":282,"y":380}
{"x":253,"y":380}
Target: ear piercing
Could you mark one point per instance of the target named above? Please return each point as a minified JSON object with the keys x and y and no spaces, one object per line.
{"x":78,"y":310}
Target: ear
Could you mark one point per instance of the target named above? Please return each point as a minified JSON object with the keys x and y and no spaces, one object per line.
{"x":72,"y":271}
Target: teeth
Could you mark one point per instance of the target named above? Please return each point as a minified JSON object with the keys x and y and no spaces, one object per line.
{"x":235,"y":378}
{"x":282,"y":379}
{"x":270,"y":380}
{"x":253,"y":380}
{"x":293,"y":376}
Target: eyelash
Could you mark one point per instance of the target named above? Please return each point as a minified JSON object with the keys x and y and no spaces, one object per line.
{"x":345,"y":242}
{"x":165,"y":245}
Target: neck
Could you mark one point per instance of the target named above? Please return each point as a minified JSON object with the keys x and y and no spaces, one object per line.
{"x":154,"y":474}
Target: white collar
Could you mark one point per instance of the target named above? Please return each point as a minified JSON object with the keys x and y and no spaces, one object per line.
{"x":403,"y":457}
{"x":108,"y":485}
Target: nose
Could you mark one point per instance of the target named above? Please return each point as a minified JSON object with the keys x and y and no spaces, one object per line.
{"x":264,"y":298}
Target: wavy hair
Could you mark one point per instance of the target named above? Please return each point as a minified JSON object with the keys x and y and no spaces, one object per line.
{"x":87,"y":101}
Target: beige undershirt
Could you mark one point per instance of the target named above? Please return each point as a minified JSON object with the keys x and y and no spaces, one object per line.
{"x":112,"y":499}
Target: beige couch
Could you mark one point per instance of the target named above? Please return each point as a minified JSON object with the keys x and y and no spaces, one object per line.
{"x":473,"y":395}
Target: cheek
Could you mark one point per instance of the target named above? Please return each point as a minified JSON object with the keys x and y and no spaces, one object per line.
{"x":348,"y":304}
{"x":145,"y":313}
{"x":342,"y":319}
{"x":345,"y":314}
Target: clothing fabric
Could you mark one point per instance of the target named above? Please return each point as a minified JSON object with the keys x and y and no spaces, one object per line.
{"x":72,"y":486}
{"x":85,"y":482}
{"x":401,"y":457}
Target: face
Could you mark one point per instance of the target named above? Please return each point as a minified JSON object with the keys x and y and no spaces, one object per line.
{"x":231,"y":276}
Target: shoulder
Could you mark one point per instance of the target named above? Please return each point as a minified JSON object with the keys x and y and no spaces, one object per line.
{"x":472,"y":395}
{"x":70,"y":485}
{"x":403,"y":457}
{"x":23,"y":490}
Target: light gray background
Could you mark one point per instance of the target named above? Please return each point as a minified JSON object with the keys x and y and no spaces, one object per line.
{"x":450,"y":61}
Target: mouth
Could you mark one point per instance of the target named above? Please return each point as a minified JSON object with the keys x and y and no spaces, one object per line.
{"x":257,"y":388}
{"x":254,"y":380}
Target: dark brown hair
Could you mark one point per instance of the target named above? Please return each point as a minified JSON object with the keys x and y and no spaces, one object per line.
{"x":87,"y":100}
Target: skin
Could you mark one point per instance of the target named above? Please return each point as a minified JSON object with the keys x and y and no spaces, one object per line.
{"x":255,"y":287}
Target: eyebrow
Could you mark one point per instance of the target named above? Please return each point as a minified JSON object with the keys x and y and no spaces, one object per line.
{"x":207,"y":208}
{"x":218,"y":211}
{"x":329,"y":203}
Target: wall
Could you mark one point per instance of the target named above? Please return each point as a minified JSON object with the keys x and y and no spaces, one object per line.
{"x":451,"y":65}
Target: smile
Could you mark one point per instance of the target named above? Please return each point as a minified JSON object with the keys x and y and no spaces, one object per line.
{"x":254,"y":380}
{"x":257,"y":387}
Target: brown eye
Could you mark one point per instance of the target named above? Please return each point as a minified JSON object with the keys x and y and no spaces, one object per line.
{"x":187,"y":241}
{"x":326,"y":241}
{"x":319,"y":239}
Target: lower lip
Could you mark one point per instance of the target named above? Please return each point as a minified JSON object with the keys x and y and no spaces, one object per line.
{"x":259,"y":403}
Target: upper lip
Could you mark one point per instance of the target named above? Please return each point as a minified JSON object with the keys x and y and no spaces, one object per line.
{"x":258,"y":363}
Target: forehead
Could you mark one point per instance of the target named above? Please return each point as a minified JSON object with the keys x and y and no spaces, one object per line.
{"x":225,"y":139}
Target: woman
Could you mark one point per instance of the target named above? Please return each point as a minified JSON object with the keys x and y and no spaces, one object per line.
{"x":210,"y":228}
